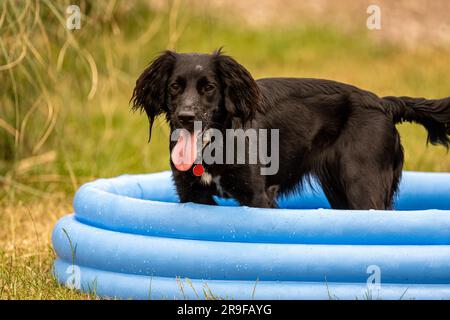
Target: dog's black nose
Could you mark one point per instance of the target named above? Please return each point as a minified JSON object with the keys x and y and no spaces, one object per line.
{"x":186,"y":116}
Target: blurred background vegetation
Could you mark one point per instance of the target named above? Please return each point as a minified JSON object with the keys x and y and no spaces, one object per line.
{"x":64,"y":115}
{"x":64,"y":95}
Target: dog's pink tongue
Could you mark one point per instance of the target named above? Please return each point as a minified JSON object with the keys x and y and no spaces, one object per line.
{"x":185,"y":151}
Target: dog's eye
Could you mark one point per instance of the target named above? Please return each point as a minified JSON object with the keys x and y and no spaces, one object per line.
{"x":175,"y":86}
{"x":209,"y":88}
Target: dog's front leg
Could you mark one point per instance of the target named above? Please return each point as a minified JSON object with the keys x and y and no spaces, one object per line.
{"x":248,"y":187}
{"x":191,"y":189}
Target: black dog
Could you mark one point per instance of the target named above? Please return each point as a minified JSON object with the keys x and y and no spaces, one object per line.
{"x":342,"y":135}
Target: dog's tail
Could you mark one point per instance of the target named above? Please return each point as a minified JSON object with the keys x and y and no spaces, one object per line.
{"x":434,"y":115}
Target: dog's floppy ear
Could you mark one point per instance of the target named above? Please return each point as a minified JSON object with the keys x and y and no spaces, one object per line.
{"x":242,"y":95}
{"x":149,"y":95}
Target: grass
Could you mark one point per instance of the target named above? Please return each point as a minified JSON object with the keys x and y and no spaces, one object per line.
{"x":65,"y":119}
{"x":26,"y":255}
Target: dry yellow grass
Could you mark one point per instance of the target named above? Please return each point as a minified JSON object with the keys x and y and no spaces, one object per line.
{"x":26,"y":255}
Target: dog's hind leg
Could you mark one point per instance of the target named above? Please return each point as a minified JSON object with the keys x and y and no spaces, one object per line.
{"x":367,"y":184}
{"x":332,"y":186}
{"x":397,"y":172}
{"x":371,"y":191}
{"x":365,"y":162}
{"x":358,"y":181}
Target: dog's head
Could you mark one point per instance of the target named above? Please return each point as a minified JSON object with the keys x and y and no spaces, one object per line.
{"x":196,"y":87}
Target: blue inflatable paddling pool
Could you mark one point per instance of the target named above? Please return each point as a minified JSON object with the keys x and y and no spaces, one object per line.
{"x":130,"y":238}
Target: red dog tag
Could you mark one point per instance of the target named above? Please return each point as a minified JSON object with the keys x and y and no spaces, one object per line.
{"x":198,"y":170}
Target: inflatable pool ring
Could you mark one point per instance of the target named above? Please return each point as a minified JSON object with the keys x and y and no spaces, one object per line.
{"x":130,"y":238}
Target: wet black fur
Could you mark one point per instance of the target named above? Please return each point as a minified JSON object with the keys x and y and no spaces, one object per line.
{"x":342,"y":135}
